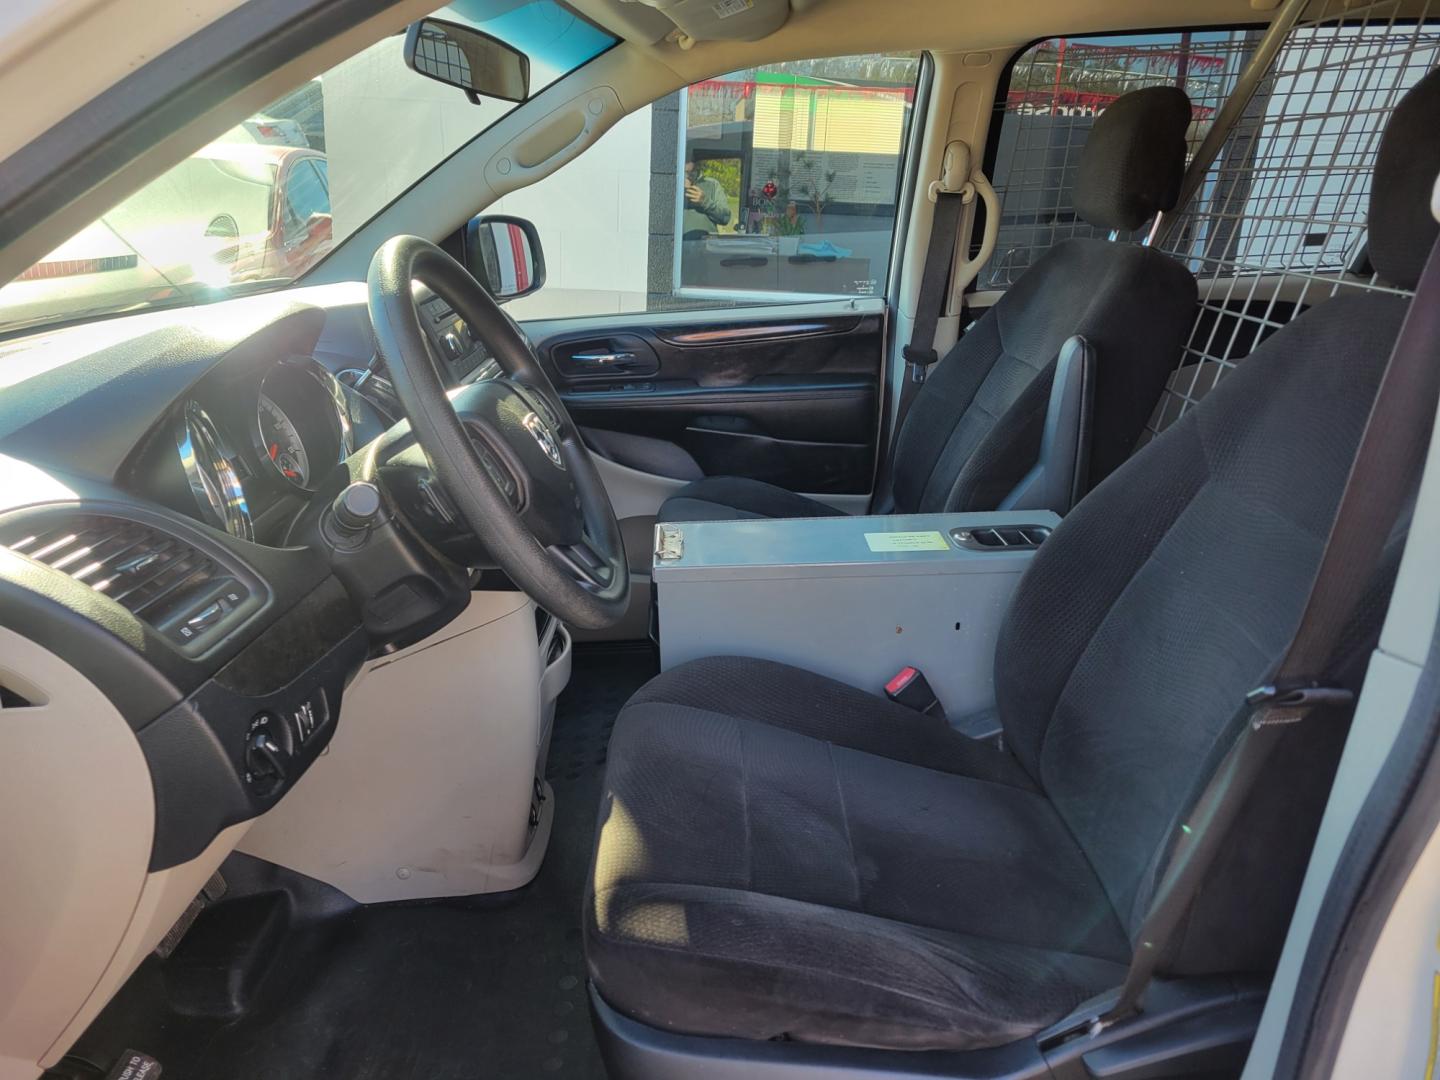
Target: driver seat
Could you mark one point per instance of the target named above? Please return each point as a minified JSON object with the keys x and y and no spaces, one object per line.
{"x":782,"y":857}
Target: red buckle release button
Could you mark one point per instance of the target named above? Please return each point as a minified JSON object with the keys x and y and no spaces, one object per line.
{"x":903,"y":678}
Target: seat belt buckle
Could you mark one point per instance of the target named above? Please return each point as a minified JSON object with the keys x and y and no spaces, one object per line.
{"x":920,"y":361}
{"x":910,"y":688}
{"x":1286,"y":697}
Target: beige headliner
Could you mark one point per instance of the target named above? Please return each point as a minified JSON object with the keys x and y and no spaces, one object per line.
{"x":842,"y":27}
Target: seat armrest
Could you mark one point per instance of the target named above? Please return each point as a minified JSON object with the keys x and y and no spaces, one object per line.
{"x":1056,"y":481}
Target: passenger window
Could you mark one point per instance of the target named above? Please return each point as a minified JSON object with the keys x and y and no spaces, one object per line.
{"x":770,"y":185}
{"x":1057,"y":88}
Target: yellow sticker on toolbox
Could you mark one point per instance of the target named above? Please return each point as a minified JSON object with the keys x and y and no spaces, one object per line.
{"x":907,"y":541}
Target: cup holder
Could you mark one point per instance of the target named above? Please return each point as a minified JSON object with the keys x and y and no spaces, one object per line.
{"x":1001,"y":537}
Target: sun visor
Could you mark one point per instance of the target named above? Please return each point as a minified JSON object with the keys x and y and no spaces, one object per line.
{"x":720,"y":20}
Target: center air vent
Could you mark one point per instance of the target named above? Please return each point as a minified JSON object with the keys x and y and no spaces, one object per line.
{"x":159,"y":577}
{"x":1003,"y":536}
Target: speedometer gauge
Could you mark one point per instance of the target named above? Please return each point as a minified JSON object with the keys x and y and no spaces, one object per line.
{"x":282,"y":443}
{"x":302,"y":428}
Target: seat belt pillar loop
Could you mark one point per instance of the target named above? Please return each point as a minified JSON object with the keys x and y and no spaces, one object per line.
{"x":956,"y":170}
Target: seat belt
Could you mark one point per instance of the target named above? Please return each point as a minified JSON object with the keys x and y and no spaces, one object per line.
{"x":957,"y":187}
{"x":1391,"y":453}
{"x":951,"y":194}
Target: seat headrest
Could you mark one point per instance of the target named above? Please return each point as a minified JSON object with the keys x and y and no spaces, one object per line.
{"x":1402,"y":230}
{"x":1134,"y":159}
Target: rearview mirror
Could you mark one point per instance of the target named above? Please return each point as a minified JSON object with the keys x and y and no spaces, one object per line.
{"x":503,"y":253}
{"x":467,"y":58}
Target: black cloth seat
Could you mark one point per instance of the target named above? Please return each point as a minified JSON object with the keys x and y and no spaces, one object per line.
{"x":782,"y":856}
{"x":735,"y":498}
{"x":798,"y":844}
{"x":974,"y":429}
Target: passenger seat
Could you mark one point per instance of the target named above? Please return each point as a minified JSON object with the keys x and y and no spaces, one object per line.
{"x":974,"y":430}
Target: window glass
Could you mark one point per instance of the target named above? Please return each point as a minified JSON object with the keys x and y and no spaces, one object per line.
{"x":205,"y":230}
{"x":1057,"y":89}
{"x":790,"y":177}
{"x":305,"y":195}
{"x":768,"y":185}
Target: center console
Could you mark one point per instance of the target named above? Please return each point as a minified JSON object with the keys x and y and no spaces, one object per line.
{"x":854,"y":598}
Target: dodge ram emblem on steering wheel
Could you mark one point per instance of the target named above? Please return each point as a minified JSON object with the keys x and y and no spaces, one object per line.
{"x":541,"y":431}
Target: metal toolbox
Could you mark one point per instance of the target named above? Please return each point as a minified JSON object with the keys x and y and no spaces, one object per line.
{"x":854,"y":598}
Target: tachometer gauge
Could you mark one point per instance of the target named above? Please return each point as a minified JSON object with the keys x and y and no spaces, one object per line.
{"x":282,"y":443}
{"x":210,"y":470}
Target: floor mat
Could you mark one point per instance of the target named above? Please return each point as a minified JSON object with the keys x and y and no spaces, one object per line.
{"x":286,"y":978}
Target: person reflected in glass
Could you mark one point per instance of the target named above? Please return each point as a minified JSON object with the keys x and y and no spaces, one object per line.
{"x":706,"y":205}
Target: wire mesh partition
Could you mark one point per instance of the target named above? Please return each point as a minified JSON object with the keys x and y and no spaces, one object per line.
{"x":1057,"y":89}
{"x":1279,"y":221}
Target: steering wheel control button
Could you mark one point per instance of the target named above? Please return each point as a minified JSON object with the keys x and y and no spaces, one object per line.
{"x":498,"y":473}
{"x":434,"y":503}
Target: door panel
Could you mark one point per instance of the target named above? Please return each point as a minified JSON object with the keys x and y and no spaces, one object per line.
{"x":790,"y":398}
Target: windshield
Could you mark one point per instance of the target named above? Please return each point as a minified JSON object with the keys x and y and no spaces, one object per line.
{"x":270,"y":198}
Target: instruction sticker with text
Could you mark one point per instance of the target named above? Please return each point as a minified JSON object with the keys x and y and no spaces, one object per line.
{"x":906,"y":541}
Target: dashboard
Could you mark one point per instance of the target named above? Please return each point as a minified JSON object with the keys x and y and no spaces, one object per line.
{"x":204,"y":536}
{"x":252,"y":442}
{"x":164,"y":482}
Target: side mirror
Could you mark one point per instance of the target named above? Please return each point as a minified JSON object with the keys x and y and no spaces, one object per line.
{"x":504,"y":255}
{"x":464,"y":57}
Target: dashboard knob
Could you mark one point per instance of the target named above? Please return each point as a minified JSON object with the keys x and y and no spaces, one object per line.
{"x":357,"y":507}
{"x":264,"y":762}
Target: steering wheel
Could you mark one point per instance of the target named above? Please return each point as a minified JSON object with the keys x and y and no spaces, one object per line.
{"x":504,"y":449}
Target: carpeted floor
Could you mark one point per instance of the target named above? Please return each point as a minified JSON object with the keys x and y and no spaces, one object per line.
{"x":286,"y":978}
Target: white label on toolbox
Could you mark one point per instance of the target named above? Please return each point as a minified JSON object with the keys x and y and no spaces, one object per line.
{"x":725,"y":8}
{"x":906,"y":541}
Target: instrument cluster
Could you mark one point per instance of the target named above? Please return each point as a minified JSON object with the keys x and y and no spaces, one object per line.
{"x":244,"y":451}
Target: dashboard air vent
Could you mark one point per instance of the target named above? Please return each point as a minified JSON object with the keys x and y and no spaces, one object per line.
{"x":140,"y":567}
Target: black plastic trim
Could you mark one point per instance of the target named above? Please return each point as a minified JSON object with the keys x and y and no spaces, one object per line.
{"x":1189,"y":1026}
{"x":132,"y":663}
{"x":688,"y":396}
{"x":196,"y":750}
